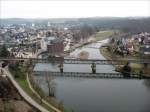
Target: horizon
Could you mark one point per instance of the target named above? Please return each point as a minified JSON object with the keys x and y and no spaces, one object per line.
{"x":136,"y":17}
{"x":74,"y":9}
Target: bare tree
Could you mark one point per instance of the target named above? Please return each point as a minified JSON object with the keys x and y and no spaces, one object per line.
{"x":50,"y":84}
{"x":38,"y":89}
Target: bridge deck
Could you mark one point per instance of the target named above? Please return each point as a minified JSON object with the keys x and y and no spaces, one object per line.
{"x":77,"y":61}
{"x":90,"y":75}
{"x":73,"y":68}
{"x":89,"y":61}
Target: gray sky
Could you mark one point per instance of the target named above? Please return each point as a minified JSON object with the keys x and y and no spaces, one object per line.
{"x":62,"y":9}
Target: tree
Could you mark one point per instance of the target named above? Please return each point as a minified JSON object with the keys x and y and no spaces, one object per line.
{"x":50,"y":84}
{"x":126,"y":70}
{"x":147,"y":83}
{"x":39,"y":90}
{"x":4,"y":52}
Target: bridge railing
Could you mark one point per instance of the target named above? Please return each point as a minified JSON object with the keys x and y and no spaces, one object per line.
{"x":90,"y":75}
{"x":79,"y":61}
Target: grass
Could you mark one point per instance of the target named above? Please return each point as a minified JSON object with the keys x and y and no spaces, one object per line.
{"x":24,"y":85}
{"x":109,"y":55}
{"x":135,"y":68}
{"x":104,"y":34}
{"x":21,"y":80}
{"x":101,"y":35}
{"x":105,"y":53}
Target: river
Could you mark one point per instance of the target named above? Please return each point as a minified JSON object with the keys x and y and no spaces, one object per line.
{"x":96,"y":95}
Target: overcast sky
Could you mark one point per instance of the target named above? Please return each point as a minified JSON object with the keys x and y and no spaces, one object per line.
{"x":65,"y":9}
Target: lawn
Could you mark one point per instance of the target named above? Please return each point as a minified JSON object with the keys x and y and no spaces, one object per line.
{"x":105,"y":34}
{"x":135,"y":67}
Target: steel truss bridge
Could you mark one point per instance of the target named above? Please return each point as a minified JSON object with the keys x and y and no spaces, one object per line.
{"x":84,"y":74}
{"x":78,"y":61}
{"x":91,"y":75}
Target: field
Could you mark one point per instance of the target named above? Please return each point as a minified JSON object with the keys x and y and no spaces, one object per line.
{"x":105,"y":34}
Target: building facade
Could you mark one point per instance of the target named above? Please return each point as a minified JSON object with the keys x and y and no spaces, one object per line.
{"x":52,"y":45}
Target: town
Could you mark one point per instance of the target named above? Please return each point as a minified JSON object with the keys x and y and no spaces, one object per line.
{"x":57,"y":38}
{"x":72,"y":40}
{"x":60,"y":38}
{"x":74,"y":56}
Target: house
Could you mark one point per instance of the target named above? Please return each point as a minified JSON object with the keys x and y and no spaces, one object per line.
{"x":145,"y":50}
{"x":129,"y":47}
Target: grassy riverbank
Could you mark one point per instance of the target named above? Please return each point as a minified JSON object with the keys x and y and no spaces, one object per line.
{"x":11,"y":100}
{"x":101,"y":35}
{"x":136,"y":68}
{"x":105,"y":34}
{"x":20,"y":75}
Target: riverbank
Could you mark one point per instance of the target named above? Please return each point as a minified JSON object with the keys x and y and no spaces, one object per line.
{"x":11,"y":100}
{"x":68,"y":90}
{"x":101,"y":35}
{"x":22,"y":82}
{"x":136,"y":68}
{"x":34,"y":91}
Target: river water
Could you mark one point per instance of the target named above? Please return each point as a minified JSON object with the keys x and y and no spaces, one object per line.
{"x":96,"y":95}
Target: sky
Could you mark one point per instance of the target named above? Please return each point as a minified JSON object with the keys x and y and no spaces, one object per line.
{"x":73,"y":9}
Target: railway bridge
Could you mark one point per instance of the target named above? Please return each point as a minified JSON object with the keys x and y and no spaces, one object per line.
{"x":78,"y":61}
{"x":91,"y":75}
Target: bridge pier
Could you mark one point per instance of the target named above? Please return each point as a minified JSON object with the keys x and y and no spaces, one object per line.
{"x":93,"y":66}
{"x":61,"y":67}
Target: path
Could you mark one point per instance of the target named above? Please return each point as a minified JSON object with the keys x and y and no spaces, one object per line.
{"x":22,"y":93}
{"x":45,"y":102}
